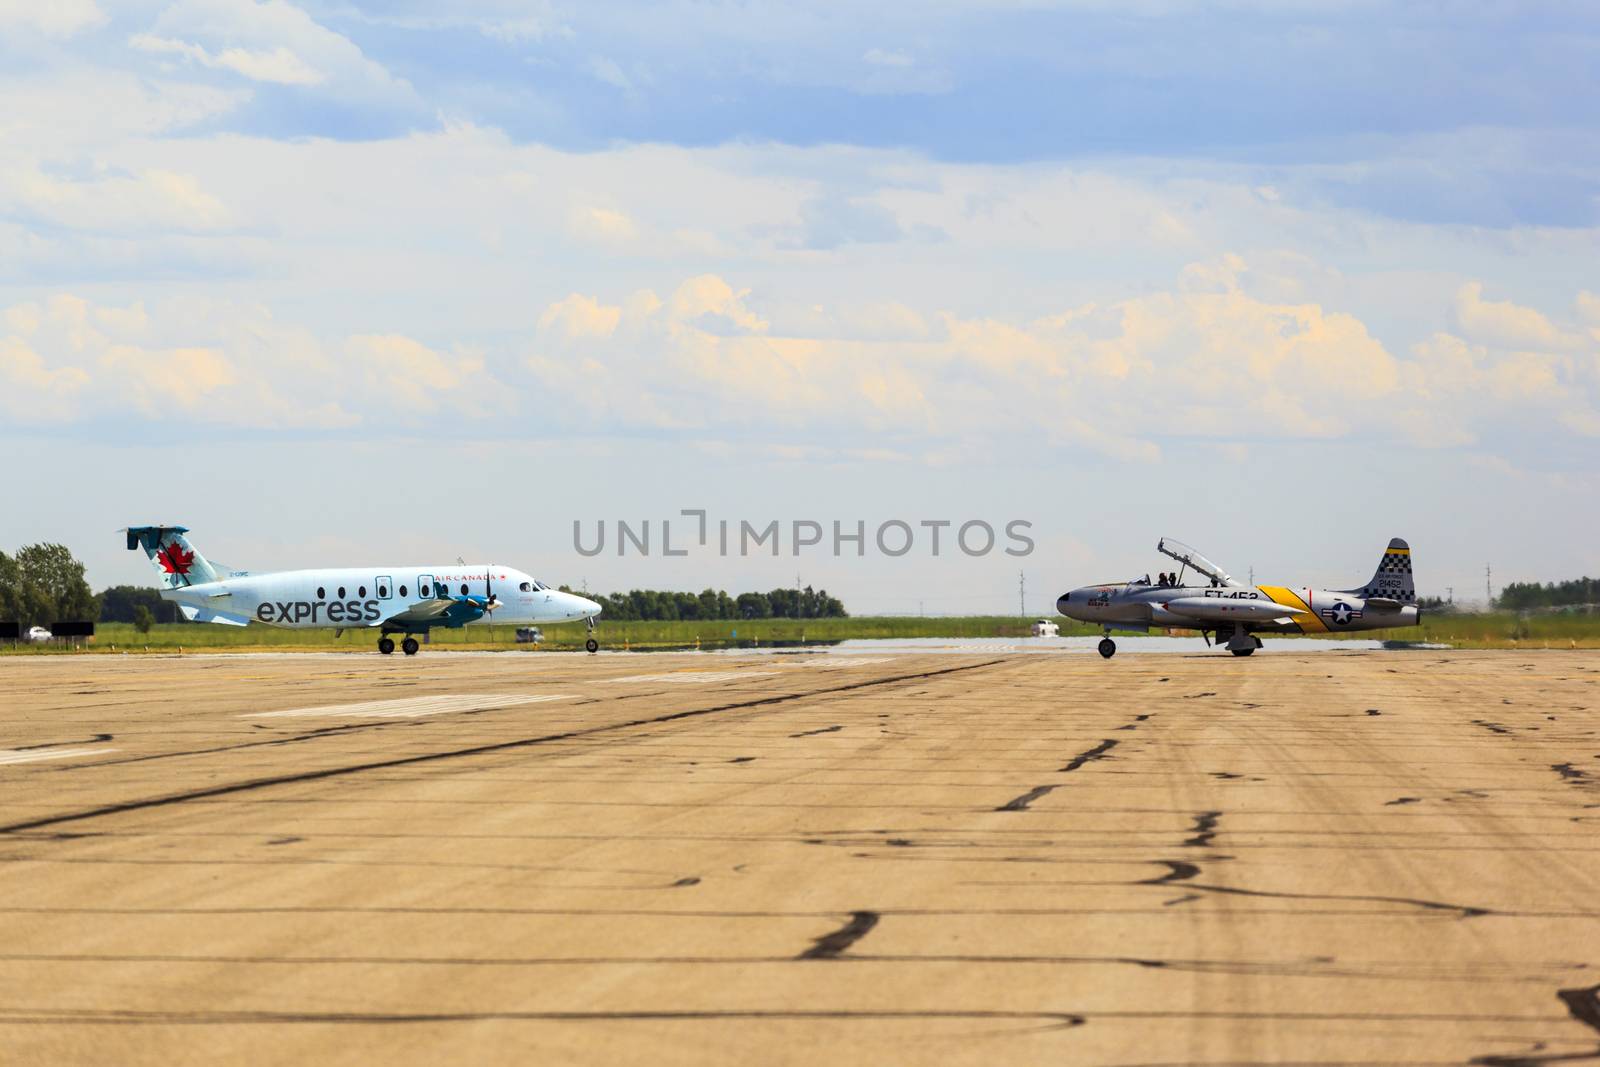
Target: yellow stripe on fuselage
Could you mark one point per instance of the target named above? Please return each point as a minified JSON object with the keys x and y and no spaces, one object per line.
{"x":1310,"y":622}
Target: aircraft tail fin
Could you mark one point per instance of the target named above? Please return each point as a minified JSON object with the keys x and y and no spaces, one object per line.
{"x":1392,"y":580}
{"x":177,"y":562}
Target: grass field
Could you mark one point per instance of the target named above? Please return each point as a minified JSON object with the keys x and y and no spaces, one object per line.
{"x":1494,"y":630}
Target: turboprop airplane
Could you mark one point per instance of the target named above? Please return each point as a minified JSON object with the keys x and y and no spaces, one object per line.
{"x":407,"y":600}
{"x":1236,"y":612}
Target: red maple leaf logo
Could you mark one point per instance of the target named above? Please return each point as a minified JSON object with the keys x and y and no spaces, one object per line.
{"x":174,"y":560}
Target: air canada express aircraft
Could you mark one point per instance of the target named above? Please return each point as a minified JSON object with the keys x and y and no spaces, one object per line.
{"x":405,"y":600}
{"x":1235,"y":612}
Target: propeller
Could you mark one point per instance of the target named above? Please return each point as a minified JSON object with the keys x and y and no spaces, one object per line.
{"x":490,"y":603}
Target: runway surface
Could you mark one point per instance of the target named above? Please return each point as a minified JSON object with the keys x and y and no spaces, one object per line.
{"x":1339,"y":857}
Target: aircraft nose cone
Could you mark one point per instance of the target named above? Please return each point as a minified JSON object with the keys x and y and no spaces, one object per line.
{"x":586,"y":608}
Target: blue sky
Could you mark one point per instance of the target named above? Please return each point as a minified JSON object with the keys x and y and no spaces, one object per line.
{"x":1281,"y":279}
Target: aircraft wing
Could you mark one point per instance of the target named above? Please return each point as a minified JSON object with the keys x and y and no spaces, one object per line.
{"x":442,"y":611}
{"x":1226,"y":609}
{"x":427,"y":611}
{"x":222,"y":618}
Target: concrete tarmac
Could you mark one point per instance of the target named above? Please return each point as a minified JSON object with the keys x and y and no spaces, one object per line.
{"x":1340,"y":857}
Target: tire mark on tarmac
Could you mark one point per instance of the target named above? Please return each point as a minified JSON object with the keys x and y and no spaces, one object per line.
{"x":474,"y":750}
{"x":1098,"y":752}
{"x":1183,"y":871}
{"x":829,"y":946}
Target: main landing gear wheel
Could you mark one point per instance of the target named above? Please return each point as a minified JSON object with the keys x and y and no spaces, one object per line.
{"x":386,"y":646}
{"x":409,"y":646}
{"x":1108,"y":647}
{"x":591,"y":645}
{"x":1242,"y":651}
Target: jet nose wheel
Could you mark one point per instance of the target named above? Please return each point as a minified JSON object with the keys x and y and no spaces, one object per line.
{"x":409,"y":646}
{"x":386,"y":646}
{"x":591,"y":645}
{"x":1108,"y":647}
{"x":1243,"y":651}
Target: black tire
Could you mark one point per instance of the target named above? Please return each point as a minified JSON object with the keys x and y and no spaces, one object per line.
{"x":1242,"y":651}
{"x":1108,"y":647}
{"x":591,"y":645}
{"x":386,"y":646}
{"x":409,"y":646}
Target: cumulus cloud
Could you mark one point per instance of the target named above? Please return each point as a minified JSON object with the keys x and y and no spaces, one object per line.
{"x":1205,"y":359}
{"x":278,"y":65}
{"x":269,"y":41}
{"x":1506,"y":324}
{"x":53,"y":18}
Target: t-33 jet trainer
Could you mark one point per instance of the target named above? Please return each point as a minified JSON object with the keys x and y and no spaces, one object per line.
{"x":406,"y":600}
{"x":1212,"y":602}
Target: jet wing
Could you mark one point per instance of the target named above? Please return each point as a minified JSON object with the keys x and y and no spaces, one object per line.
{"x":442,"y":611}
{"x":222,"y":618}
{"x":427,"y":611}
{"x":1227,"y":609}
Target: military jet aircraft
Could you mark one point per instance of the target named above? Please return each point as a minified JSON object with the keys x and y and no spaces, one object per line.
{"x":1215,"y":604}
{"x":406,"y":600}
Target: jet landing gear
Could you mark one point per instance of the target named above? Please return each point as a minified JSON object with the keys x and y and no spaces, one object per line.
{"x":409,"y":646}
{"x":591,"y":645}
{"x":1242,"y":644}
{"x":1108,"y":647}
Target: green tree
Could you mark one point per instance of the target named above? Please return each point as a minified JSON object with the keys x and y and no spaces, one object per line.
{"x":10,"y":590}
{"x":52,"y":586}
{"x":142,"y":619}
{"x":117,"y":604}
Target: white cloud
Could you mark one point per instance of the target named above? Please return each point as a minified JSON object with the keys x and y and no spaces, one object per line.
{"x":879,"y":57}
{"x":278,"y":65}
{"x":53,"y":18}
{"x":270,"y":41}
{"x":1507,"y":324}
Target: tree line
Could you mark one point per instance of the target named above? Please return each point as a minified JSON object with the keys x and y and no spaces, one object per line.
{"x":651,"y":605}
{"x":43,"y":584}
{"x":1523,"y":596}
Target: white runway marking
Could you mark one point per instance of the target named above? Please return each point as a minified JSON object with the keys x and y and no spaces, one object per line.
{"x":825,"y":662}
{"x":691,"y":676}
{"x":411,"y":707}
{"x":11,"y":755}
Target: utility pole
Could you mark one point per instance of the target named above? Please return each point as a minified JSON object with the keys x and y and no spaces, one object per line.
{"x":1252,"y":576}
{"x":1488,"y":587}
{"x":797,"y":594}
{"x":1022,"y":594}
{"x":1450,"y":594}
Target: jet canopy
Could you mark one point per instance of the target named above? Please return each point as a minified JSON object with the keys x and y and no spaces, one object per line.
{"x":1190,"y":558}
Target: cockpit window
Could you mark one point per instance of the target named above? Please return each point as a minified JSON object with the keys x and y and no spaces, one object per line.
{"x":526,"y":587}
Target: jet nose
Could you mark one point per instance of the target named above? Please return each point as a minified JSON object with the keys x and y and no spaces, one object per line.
{"x":585,"y":608}
{"x":1074,"y":605}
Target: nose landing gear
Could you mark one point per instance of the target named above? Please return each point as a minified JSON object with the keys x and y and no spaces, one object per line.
{"x":591,"y":645}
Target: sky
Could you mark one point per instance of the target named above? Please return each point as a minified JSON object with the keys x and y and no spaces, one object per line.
{"x":349,"y":282}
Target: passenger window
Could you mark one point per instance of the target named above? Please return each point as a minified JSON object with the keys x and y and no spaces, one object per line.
{"x":402,"y":590}
{"x":383,"y":591}
{"x":341,"y":592}
{"x":322,"y":594}
{"x":362,"y":592}
{"x":463,"y":588}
